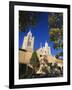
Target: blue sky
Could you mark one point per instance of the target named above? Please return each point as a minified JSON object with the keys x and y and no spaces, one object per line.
{"x":40,"y":32}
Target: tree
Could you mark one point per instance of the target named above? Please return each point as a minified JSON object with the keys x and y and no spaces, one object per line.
{"x":55,"y":21}
{"x":25,"y":71}
{"x":34,"y":61}
{"x":56,"y":35}
{"x":59,"y":54}
{"x":26,"y":19}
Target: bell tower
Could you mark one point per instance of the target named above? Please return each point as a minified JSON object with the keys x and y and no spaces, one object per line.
{"x":47,"y":49}
{"x":28,"y":42}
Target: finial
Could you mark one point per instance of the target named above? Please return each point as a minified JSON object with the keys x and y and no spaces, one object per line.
{"x":46,"y":44}
{"x":29,"y":33}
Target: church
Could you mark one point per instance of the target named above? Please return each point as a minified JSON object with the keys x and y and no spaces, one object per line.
{"x":27,"y":49}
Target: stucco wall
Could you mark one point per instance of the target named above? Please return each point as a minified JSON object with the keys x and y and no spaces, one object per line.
{"x":24,"y":56}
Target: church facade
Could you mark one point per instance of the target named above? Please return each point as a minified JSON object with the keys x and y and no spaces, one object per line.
{"x":43,"y":52}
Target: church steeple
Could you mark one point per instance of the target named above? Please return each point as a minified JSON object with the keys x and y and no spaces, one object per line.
{"x":29,"y":33}
{"x":28,"y":42}
{"x":46,"y":44}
